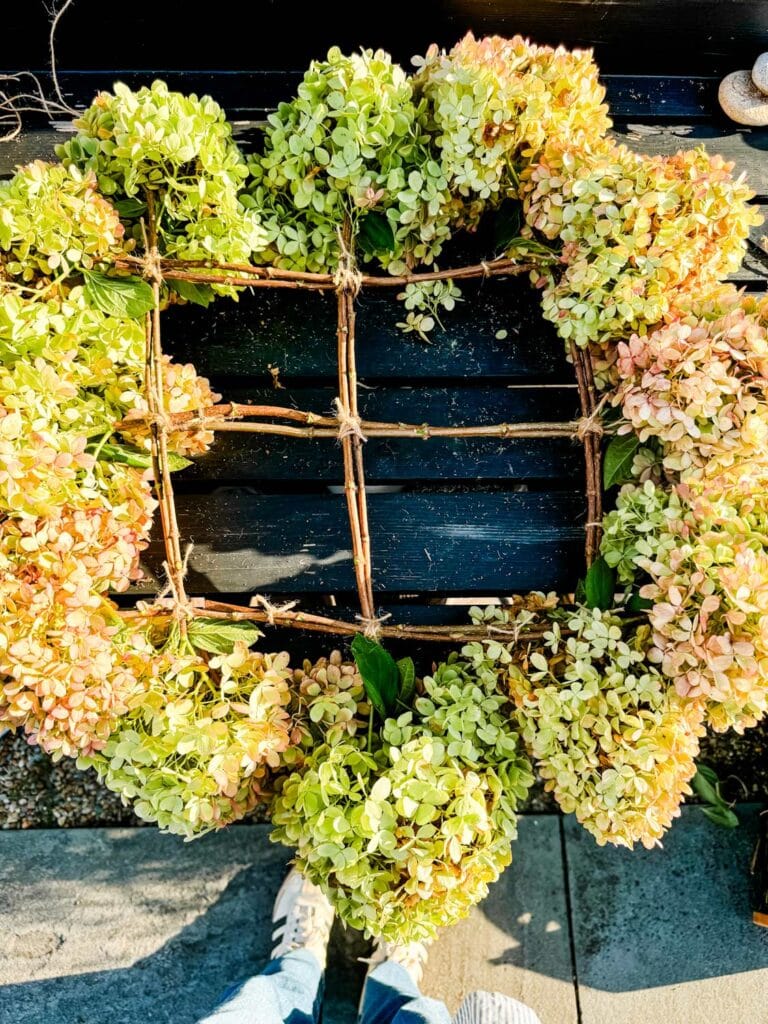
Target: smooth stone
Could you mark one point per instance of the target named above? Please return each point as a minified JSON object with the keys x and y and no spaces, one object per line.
{"x":760,"y":73}
{"x":742,"y":101}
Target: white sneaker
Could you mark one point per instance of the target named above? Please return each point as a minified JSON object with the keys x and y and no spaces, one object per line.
{"x":412,"y":957}
{"x":306,"y":916}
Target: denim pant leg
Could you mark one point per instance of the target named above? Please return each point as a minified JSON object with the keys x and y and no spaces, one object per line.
{"x":391,"y":997}
{"x":494,"y":1008}
{"x":288,"y":991}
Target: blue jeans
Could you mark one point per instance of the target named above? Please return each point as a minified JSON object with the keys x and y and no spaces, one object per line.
{"x":289,"y":991}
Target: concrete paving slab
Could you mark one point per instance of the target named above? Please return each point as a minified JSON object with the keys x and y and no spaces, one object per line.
{"x":127,"y":925}
{"x":517,"y":941}
{"x":666,"y":935}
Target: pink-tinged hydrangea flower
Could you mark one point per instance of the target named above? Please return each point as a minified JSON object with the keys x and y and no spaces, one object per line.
{"x":196,"y":748}
{"x":705,"y":556}
{"x":638,"y":233}
{"x":53,"y":222}
{"x":698,"y":388}
{"x":492,"y":105}
{"x":184,"y":391}
{"x":614,"y":742}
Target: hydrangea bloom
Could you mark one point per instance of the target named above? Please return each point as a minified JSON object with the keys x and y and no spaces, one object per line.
{"x":637,"y":233}
{"x":180,"y":148}
{"x":196,"y":747}
{"x":351,"y":144}
{"x":615,"y":745}
{"x":53,"y":220}
{"x":406,"y":836}
{"x":494,"y":102}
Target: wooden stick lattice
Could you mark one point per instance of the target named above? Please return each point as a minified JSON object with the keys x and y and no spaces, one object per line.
{"x":346,"y":427}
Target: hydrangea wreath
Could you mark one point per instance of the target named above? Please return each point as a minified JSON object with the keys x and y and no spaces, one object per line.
{"x":399,"y":795}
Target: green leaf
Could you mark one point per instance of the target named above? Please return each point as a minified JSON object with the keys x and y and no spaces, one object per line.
{"x":721,"y":815}
{"x":705,"y":785}
{"x":124,"y":297}
{"x":218,"y":636}
{"x":199,"y":294}
{"x":375,"y":234}
{"x":407,"y":672}
{"x":617,"y":463}
{"x":379,"y":671}
{"x":136,"y":457}
{"x":600,"y":585}
{"x":507,"y":224}
{"x":130,"y":209}
{"x":580,"y":594}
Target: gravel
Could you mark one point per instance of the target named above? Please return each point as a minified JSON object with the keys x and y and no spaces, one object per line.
{"x":36,"y":793}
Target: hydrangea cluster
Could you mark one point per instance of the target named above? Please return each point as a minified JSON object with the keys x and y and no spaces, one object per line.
{"x":180,"y":150}
{"x":492,"y":105}
{"x":708,"y":571}
{"x":405,"y":835}
{"x":196,"y":746}
{"x":351,"y":145}
{"x":612,"y":741}
{"x":53,"y":219}
{"x":698,"y":388}
{"x":638,"y":234}
{"x":75,"y":505}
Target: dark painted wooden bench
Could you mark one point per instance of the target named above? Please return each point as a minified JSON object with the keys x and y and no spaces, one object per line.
{"x":449,"y":518}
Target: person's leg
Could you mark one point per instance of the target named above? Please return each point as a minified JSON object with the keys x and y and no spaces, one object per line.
{"x":494,"y":1008}
{"x":391,"y":996}
{"x":288,"y":991}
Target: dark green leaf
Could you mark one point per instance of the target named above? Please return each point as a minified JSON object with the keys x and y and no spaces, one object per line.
{"x":638,"y":604}
{"x":218,"y":636}
{"x":599,"y":585}
{"x":580,"y":594}
{"x":124,"y":297}
{"x":379,"y":672}
{"x":617,"y":464}
{"x":705,"y":785}
{"x":507,"y":224}
{"x":199,"y":294}
{"x":407,"y":671}
{"x":130,"y":209}
{"x":137,"y":458}
{"x":375,"y":234}
{"x":721,"y":815}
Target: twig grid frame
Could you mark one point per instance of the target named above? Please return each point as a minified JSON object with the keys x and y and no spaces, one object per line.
{"x":346,"y":427}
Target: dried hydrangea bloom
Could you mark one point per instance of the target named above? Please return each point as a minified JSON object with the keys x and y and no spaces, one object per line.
{"x":615,"y":744}
{"x":705,"y":557}
{"x":698,"y":388}
{"x":197,"y":745}
{"x":404,"y":838}
{"x":638,"y":234}
{"x":184,"y":390}
{"x":53,"y":222}
{"x":494,"y":102}
{"x":328,"y":701}
{"x":179,"y":147}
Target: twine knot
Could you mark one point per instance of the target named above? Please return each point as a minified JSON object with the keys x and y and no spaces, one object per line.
{"x":182,"y":606}
{"x":271,"y":610}
{"x":349,"y":424}
{"x":347,"y":277}
{"x":589,"y":425}
{"x":151,"y":266}
{"x":372,"y":626}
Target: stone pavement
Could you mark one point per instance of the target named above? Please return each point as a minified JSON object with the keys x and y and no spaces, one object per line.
{"x":125,"y":926}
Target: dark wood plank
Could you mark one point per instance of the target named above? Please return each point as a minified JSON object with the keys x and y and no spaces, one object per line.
{"x":260,"y":458}
{"x":469,"y":542}
{"x":640,"y":36}
{"x":297,"y":332}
